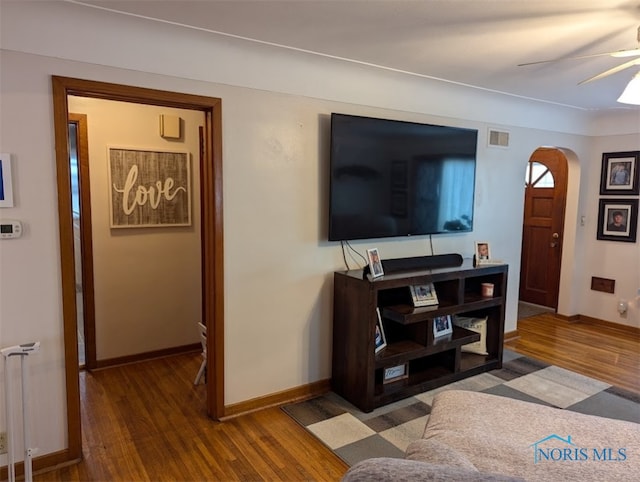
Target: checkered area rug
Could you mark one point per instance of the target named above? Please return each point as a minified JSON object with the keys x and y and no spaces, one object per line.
{"x":387,"y":431}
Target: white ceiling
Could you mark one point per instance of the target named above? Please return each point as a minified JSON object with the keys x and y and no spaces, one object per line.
{"x":473,"y":42}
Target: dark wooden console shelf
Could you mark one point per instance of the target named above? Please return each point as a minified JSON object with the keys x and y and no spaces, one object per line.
{"x":358,"y":372}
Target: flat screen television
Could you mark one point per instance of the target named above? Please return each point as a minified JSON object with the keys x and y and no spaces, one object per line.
{"x":396,"y":178}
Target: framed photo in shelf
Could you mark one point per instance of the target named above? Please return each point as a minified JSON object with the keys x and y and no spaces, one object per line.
{"x":375,"y":265}
{"x":393,"y":374}
{"x":442,"y":326}
{"x":380,"y":338}
{"x":424,"y":295}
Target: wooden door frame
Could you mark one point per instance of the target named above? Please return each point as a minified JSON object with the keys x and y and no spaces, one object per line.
{"x":211,"y":223}
{"x":86,"y":240}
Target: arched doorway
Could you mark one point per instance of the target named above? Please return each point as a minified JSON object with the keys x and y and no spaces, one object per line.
{"x":543,"y":227}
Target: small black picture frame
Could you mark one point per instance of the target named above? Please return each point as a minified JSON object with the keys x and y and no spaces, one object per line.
{"x":618,"y":220}
{"x":620,"y":173}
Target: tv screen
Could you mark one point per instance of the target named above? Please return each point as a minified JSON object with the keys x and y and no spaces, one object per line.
{"x":395,"y":178}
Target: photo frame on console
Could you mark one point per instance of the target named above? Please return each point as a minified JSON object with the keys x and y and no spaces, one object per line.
{"x":375,"y":264}
{"x":442,"y":326}
{"x":380,"y":338}
{"x":395,"y":373}
{"x":481,"y":253}
{"x":424,"y":295}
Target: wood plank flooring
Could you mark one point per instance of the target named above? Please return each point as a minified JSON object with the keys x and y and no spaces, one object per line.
{"x":601,"y":352}
{"x":146,"y":421}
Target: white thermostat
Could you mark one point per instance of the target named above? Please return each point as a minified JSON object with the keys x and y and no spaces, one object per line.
{"x":10,"y":229}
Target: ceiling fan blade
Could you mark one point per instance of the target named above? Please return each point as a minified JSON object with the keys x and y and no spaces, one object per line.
{"x":626,"y":53}
{"x":606,"y":73}
{"x":617,"y":54}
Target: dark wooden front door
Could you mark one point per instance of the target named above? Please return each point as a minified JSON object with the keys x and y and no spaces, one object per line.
{"x":544,"y":206}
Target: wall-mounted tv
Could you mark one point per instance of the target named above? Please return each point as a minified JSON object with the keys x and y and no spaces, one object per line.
{"x":396,"y":178}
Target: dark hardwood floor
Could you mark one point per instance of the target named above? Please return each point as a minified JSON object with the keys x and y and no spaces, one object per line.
{"x":602,"y":352}
{"x":146,"y":421}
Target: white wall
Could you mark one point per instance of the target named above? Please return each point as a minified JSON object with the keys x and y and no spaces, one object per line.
{"x":147,"y":280}
{"x":619,"y":261}
{"x":276,"y":106}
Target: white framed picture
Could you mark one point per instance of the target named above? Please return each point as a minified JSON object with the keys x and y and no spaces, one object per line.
{"x":380,"y":338}
{"x":375,"y":265}
{"x":442,"y":326}
{"x":6,"y":184}
{"x":424,"y":295}
{"x":393,"y":374}
{"x":482,"y":252}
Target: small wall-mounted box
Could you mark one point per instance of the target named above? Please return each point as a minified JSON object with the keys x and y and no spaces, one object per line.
{"x":603,"y":284}
{"x":169,"y":126}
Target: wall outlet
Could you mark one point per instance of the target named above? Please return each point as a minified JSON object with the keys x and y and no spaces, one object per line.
{"x":3,"y":443}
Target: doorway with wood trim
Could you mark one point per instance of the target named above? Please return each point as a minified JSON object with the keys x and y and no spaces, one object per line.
{"x":210,"y":159}
{"x":126,"y":220}
{"x":82,"y":239}
{"x":543,"y":227}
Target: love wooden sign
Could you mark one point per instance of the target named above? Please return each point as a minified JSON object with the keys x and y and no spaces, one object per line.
{"x":149,"y":188}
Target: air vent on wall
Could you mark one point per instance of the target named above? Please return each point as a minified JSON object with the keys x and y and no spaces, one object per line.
{"x":498,"y":138}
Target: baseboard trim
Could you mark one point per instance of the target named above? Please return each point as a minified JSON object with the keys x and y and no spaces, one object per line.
{"x":597,"y":321}
{"x":511,"y":335}
{"x":609,"y":324}
{"x":569,"y":318}
{"x":42,"y":464}
{"x":150,"y":355}
{"x":297,"y":394}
